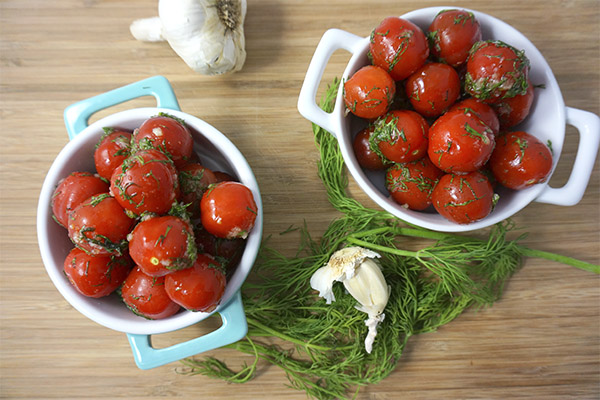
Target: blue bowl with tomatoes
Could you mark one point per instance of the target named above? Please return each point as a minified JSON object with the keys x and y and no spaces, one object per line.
{"x":450,"y":119}
{"x":149,"y":220}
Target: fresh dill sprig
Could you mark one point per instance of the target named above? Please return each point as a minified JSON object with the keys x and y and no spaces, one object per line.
{"x":321,"y":347}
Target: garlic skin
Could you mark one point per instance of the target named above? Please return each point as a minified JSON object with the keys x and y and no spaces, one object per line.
{"x":207,"y":34}
{"x":362,"y":277}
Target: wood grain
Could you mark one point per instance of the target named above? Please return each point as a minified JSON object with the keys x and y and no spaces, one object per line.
{"x":541,"y":340}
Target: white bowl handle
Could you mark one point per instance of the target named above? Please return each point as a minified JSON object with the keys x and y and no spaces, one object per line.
{"x":332,"y":40}
{"x":588,"y":125}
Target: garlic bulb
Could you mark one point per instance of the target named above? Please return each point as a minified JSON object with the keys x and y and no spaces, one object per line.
{"x":362,"y":277}
{"x":207,"y":34}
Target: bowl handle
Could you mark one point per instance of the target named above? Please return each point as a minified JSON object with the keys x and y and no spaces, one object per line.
{"x":234,"y":328}
{"x":332,"y":40}
{"x":78,"y":114}
{"x":588,"y":126}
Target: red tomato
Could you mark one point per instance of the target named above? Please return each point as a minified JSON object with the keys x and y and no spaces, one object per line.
{"x":199,"y":288}
{"x":369,"y":92}
{"x":482,"y":110}
{"x":460,"y":142}
{"x":146,"y":296}
{"x":433,"y":88}
{"x":398,"y":46}
{"x":96,"y":276}
{"x":520,"y":160}
{"x":112,"y":149}
{"x":464,"y":198}
{"x":452,"y":34}
{"x":99,"y":225}
{"x":513,"y":111}
{"x":167,"y":134}
{"x":496,"y":71}
{"x":146,"y":182}
{"x":194,"y":179}
{"x":228,"y":210}
{"x":224,"y":176}
{"x":227,"y":251}
{"x":401,"y":136}
{"x":366,"y":157}
{"x":411,"y":184}
{"x":71,"y":191}
{"x":163,"y":244}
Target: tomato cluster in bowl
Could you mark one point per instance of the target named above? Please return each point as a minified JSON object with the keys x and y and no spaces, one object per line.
{"x":152,"y":222}
{"x":441,"y":110}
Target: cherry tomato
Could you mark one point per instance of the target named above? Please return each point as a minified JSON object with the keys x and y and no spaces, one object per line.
{"x":452,"y":34}
{"x":433,"y":88}
{"x":369,"y":92}
{"x":228,"y":210}
{"x":366,"y":157}
{"x":146,"y":182}
{"x":460,"y":142}
{"x":146,"y":296}
{"x":227,"y":252}
{"x":167,"y":134}
{"x":194,"y":179}
{"x":71,"y":191}
{"x":513,"y":111}
{"x":99,"y":225}
{"x":398,"y":46}
{"x":401,"y":136}
{"x":496,"y":71}
{"x":96,"y":276}
{"x":224,"y":176}
{"x":112,"y":149}
{"x":411,"y":184}
{"x":464,"y":198}
{"x":199,"y":288}
{"x":520,"y":160}
{"x":482,"y":110}
{"x":163,"y":244}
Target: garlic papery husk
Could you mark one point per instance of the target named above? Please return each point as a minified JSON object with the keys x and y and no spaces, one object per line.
{"x":207,"y":34}
{"x":361,"y":274}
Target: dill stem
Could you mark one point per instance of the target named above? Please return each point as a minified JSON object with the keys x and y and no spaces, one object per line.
{"x":526,"y":251}
{"x":283,"y":336}
{"x":385,"y":249}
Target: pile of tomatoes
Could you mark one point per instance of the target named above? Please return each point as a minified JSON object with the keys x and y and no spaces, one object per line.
{"x":152,"y":223}
{"x":441,"y":106}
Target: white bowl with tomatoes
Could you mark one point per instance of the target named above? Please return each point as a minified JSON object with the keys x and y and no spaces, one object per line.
{"x":450,"y":119}
{"x":150,"y":220}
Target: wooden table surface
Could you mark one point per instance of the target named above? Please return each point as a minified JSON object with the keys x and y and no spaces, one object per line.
{"x":540,"y":341}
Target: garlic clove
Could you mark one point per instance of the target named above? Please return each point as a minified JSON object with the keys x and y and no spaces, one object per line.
{"x":147,"y":29}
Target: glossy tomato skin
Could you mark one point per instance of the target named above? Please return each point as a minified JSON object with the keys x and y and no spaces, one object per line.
{"x":146,"y":296}
{"x":162,"y":244}
{"x":484,"y":111}
{"x":514,"y":110}
{"x":460,"y":142}
{"x":464,"y":199}
{"x":411,"y":184}
{"x":96,"y":276}
{"x":73,"y":190}
{"x":366,"y":157}
{"x":99,"y":225}
{"x":145,"y":182}
{"x":433,"y":88}
{"x":199,"y":288}
{"x":228,"y":210}
{"x":520,"y":160}
{"x":112,"y":149}
{"x":452,"y":34}
{"x":194,"y":180}
{"x":369,"y":92}
{"x":168,"y":134}
{"x":496,"y":71}
{"x":399,"y":47}
{"x":401,"y":136}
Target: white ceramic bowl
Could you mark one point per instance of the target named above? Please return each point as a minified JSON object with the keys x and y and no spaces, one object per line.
{"x":215,"y":151}
{"x":547,"y":121}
